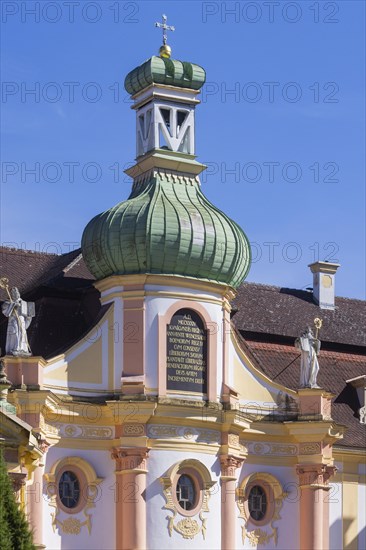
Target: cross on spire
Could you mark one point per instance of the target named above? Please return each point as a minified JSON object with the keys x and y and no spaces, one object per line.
{"x":165,"y":28}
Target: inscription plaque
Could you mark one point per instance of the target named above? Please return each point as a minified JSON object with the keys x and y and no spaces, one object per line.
{"x":186,"y":352}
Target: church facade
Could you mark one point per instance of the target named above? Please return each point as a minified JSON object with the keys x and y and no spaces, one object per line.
{"x":160,"y":394}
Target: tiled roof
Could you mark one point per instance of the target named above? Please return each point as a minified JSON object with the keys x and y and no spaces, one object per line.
{"x":281,"y":363}
{"x":27,"y":270}
{"x":264,"y":309}
{"x":67,"y":304}
{"x":268,"y":319}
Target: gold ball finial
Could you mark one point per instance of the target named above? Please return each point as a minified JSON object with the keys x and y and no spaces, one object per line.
{"x":165,"y":51}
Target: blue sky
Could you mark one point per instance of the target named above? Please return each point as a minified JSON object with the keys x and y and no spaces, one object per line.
{"x":281,"y":124}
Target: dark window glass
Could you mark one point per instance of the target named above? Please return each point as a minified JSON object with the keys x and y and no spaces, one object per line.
{"x":69,"y":489}
{"x":257,"y":503}
{"x":186,"y":492}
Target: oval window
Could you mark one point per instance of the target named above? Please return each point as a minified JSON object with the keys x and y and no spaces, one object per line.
{"x":69,"y":489}
{"x":257,"y":503}
{"x":186,"y":492}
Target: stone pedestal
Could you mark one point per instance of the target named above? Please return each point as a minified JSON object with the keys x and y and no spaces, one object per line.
{"x":25,"y":372}
{"x":315,"y":404}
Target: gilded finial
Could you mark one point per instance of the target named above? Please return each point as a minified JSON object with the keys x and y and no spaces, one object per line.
{"x":318,"y":325}
{"x":165,"y":50}
{"x":4,"y":282}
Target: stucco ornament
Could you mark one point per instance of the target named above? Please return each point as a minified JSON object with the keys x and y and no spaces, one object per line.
{"x":258,"y":536}
{"x":72,"y":525}
{"x":261,"y":535}
{"x":188,"y":527}
{"x":4,"y":382}
{"x":310,"y":347}
{"x":20,"y":314}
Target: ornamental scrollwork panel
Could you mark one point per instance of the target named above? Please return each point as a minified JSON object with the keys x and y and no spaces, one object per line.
{"x":188,"y":527}
{"x":265,"y":532}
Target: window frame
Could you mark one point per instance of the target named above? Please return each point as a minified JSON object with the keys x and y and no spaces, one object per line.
{"x":275,"y":496}
{"x":269,"y":502}
{"x":88,"y":482}
{"x":83,"y":485}
{"x":200,"y":474}
{"x":198,"y":483}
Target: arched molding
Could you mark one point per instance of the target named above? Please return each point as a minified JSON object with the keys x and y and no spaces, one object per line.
{"x":196,"y":465}
{"x":70,"y":461}
{"x":261,"y":532}
{"x":212,"y":342}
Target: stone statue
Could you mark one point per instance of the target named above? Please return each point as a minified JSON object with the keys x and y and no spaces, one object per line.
{"x":362,"y":413}
{"x":20,"y":315}
{"x":4,"y":382}
{"x":310,"y":347}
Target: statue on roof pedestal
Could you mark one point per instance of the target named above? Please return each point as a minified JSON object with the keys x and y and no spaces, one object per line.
{"x":310,"y":347}
{"x":20,"y":314}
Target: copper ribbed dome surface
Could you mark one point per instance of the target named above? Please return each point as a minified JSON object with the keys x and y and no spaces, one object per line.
{"x":167,"y":226}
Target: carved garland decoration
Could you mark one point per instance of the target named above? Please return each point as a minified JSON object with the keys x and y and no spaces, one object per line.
{"x":264,"y":533}
{"x":187,"y":526}
{"x":72,"y":525}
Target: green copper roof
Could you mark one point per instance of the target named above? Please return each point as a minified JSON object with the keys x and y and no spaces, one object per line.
{"x":167,"y":226}
{"x":160,"y":70}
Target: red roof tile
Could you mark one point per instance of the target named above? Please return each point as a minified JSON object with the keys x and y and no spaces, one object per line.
{"x":265,"y":309}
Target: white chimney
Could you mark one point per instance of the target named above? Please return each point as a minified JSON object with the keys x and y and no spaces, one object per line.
{"x":323,"y":283}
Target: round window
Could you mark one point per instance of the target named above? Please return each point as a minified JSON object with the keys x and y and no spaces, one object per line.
{"x":69,"y":489}
{"x":257,"y":503}
{"x":186,"y":492}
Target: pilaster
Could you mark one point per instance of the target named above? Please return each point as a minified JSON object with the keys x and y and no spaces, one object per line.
{"x":316,"y":433}
{"x":131,"y":470}
{"x":314,"y":505}
{"x":229,"y":466}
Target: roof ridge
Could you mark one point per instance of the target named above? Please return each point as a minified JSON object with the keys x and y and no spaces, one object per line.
{"x":13,"y":250}
{"x":267,"y":286}
{"x":73,"y":263}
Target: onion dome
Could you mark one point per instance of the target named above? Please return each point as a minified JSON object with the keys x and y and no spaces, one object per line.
{"x":167,"y":226}
{"x":162,"y":70}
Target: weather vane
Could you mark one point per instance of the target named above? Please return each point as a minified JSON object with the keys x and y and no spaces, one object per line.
{"x":165,"y":50}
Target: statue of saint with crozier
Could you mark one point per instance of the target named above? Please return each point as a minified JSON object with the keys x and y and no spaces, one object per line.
{"x":20,"y":314}
{"x":310,"y":347}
